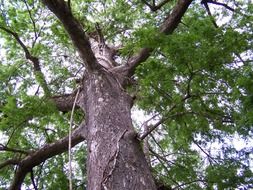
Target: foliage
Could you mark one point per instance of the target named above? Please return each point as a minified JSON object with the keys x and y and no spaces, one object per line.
{"x":199,"y":79}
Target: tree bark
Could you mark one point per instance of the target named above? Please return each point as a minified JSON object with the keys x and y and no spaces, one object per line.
{"x":115,"y":157}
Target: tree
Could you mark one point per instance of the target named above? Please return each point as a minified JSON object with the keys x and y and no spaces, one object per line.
{"x":173,"y":59}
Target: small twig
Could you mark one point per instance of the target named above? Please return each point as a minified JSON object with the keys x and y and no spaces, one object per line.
{"x":188,"y":183}
{"x":11,"y":135}
{"x":6,"y":148}
{"x":15,"y":35}
{"x":33,"y":181}
{"x":164,"y":161}
{"x":155,"y":7}
{"x":153,"y":127}
{"x":39,"y":173}
{"x":208,"y":155}
{"x":240,"y":58}
{"x":30,"y":15}
{"x":162,"y":120}
{"x":222,"y":4}
{"x":151,"y":118}
{"x":70,"y":135}
{"x":209,"y":13}
{"x":146,"y":145}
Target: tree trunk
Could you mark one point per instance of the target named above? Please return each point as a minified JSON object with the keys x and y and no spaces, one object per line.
{"x":115,"y":157}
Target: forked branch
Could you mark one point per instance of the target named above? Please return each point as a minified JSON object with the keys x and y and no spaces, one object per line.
{"x":209,"y":13}
{"x":155,"y":7}
{"x":218,"y":3}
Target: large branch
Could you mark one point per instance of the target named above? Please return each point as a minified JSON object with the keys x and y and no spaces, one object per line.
{"x":41,"y":155}
{"x":75,"y":30}
{"x":169,"y":25}
{"x":64,"y":103}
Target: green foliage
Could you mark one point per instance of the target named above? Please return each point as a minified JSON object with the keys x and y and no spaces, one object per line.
{"x":194,"y":82}
{"x":199,"y":78}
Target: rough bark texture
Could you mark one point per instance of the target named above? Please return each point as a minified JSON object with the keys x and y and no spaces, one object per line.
{"x":115,"y":158}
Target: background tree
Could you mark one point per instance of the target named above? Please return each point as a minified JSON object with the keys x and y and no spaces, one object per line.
{"x":187,"y":64}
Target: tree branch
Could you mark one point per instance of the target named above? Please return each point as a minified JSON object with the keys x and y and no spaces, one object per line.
{"x":33,"y":181}
{"x":209,"y":13}
{"x":164,"y":119}
{"x":156,"y":7}
{"x":5,"y":148}
{"x":48,"y":151}
{"x":210,"y":158}
{"x":188,"y":183}
{"x":218,"y":3}
{"x":75,"y":30}
{"x":9,"y":162}
{"x":152,"y":128}
{"x":36,"y":65}
{"x":31,"y":18}
{"x":65,"y":102}
{"x":169,"y":25}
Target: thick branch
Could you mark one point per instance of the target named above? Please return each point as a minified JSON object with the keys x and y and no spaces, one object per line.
{"x":75,"y":30}
{"x":64,"y":102}
{"x":168,"y":26}
{"x":46,"y":152}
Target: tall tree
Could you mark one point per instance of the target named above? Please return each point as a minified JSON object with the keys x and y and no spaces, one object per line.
{"x":85,"y":64}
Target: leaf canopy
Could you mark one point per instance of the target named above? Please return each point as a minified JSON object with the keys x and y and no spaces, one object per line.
{"x":199,"y":80}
